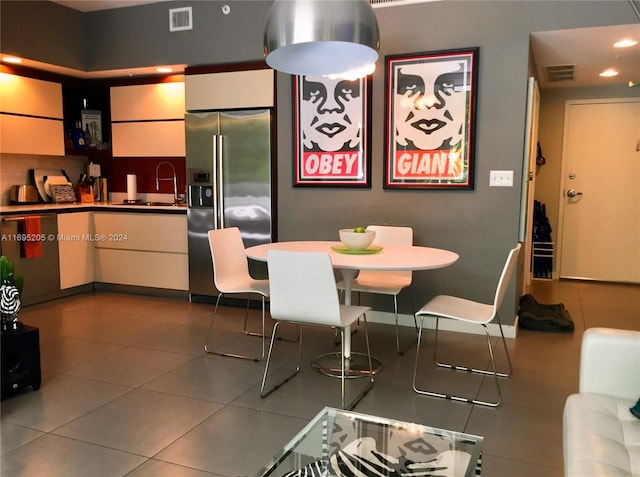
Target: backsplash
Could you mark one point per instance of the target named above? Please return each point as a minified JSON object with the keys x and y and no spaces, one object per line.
{"x":116,"y":170}
{"x":14,"y":169}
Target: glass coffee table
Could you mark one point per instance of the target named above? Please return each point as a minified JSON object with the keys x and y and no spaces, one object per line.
{"x":345,"y":444}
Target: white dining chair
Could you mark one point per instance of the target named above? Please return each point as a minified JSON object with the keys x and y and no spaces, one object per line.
{"x":231,"y":276}
{"x":445,"y":306}
{"x":303,"y":292}
{"x":390,"y":282}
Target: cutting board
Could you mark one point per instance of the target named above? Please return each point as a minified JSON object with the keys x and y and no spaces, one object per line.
{"x":38,"y":178}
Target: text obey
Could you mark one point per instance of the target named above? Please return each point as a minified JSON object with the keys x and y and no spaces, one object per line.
{"x":334,"y":165}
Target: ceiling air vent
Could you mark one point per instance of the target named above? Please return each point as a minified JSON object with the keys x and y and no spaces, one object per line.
{"x":559,"y":73}
{"x":180,"y":19}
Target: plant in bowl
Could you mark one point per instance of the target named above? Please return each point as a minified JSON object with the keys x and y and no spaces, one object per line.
{"x":10,"y":292}
{"x":357,"y":239}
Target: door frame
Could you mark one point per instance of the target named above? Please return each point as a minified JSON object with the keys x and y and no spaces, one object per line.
{"x":563,"y":170}
{"x":529,"y":179}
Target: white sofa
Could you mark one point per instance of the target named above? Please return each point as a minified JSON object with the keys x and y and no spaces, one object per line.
{"x":600,"y":435}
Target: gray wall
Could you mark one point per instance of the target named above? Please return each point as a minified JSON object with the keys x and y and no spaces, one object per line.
{"x":43,"y":31}
{"x":481,"y":225}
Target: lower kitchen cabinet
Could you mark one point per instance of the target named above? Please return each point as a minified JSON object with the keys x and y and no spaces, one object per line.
{"x":148,"y":250}
{"x":75,"y":249}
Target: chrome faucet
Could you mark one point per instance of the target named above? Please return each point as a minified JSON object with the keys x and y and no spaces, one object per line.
{"x":176,"y":197}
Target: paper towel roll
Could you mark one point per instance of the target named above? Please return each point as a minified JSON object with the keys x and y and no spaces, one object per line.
{"x":93,"y":170}
{"x":132,"y":187}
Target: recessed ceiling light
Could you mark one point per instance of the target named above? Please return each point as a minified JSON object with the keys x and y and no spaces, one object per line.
{"x":626,"y":43}
{"x":12,"y":59}
{"x":164,"y":69}
{"x":608,"y":73}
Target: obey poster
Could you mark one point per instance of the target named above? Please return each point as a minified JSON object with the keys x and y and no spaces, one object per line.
{"x":331,"y":117}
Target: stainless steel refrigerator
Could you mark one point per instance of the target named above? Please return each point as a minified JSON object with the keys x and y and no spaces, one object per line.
{"x":229,"y":163}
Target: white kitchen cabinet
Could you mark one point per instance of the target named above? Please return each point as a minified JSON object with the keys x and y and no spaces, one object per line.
{"x":230,"y":90}
{"x":148,"y":250}
{"x":75,"y":249}
{"x":148,"y":120}
{"x":147,"y":102}
{"x":30,"y":116}
{"x":148,"y":139}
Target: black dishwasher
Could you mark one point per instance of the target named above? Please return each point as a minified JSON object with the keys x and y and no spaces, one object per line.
{"x":41,"y":267}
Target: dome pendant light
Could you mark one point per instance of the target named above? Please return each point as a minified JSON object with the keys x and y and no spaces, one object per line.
{"x":321,"y":37}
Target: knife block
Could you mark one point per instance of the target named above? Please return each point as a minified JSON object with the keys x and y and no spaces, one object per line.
{"x":85,"y":194}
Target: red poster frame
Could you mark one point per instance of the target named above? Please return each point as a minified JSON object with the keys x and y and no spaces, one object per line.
{"x":331,"y":164}
{"x":430,"y":111}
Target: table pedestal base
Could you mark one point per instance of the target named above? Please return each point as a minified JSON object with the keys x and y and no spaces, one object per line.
{"x":356,"y":366}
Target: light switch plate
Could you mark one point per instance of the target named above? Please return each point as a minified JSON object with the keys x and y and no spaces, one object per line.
{"x":501,"y":178}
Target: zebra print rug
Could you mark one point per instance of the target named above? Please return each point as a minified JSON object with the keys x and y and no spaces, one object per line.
{"x":360,"y":458}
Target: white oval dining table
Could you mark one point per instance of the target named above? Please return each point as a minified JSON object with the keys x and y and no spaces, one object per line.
{"x":391,"y":257}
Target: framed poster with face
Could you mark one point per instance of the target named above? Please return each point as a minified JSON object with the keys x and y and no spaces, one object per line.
{"x":430,"y":118}
{"x":332,"y":143}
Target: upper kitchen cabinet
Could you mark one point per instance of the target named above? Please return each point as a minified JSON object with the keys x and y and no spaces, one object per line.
{"x":148,"y":120}
{"x":230,"y":90}
{"x":31,"y":118}
{"x":90,"y":97}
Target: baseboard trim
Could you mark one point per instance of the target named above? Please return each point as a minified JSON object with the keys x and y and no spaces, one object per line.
{"x":387,"y":318}
{"x":510,"y":331}
{"x":138,"y":290}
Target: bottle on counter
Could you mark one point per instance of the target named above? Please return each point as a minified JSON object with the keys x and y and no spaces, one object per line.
{"x":104,"y":195}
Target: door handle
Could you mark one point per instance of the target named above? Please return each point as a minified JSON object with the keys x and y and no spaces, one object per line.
{"x":573,"y":193}
{"x":221,"y":181}
{"x":216,"y":219}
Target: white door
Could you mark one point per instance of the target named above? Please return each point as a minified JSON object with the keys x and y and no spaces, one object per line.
{"x":600,"y":203}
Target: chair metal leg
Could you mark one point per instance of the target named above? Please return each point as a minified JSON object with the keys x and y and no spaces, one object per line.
{"x":493,"y":372}
{"x":213,"y":317}
{"x":415,"y":321}
{"x":506,"y":351}
{"x":259,"y":335}
{"x":343,"y":369}
{"x":264,"y":393}
{"x":233,"y":355}
{"x":246,"y":317}
{"x":476,"y":370}
{"x":343,"y":376}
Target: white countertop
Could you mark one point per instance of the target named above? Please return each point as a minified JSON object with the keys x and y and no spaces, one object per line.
{"x":95,"y":206}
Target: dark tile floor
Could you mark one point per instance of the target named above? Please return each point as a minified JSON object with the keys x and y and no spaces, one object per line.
{"x":128,"y":391}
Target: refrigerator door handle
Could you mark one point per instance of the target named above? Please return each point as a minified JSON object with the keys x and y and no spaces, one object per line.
{"x":215,"y":182}
{"x":220,"y":182}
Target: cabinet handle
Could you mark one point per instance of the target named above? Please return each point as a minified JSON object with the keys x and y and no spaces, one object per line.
{"x":22,"y":217}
